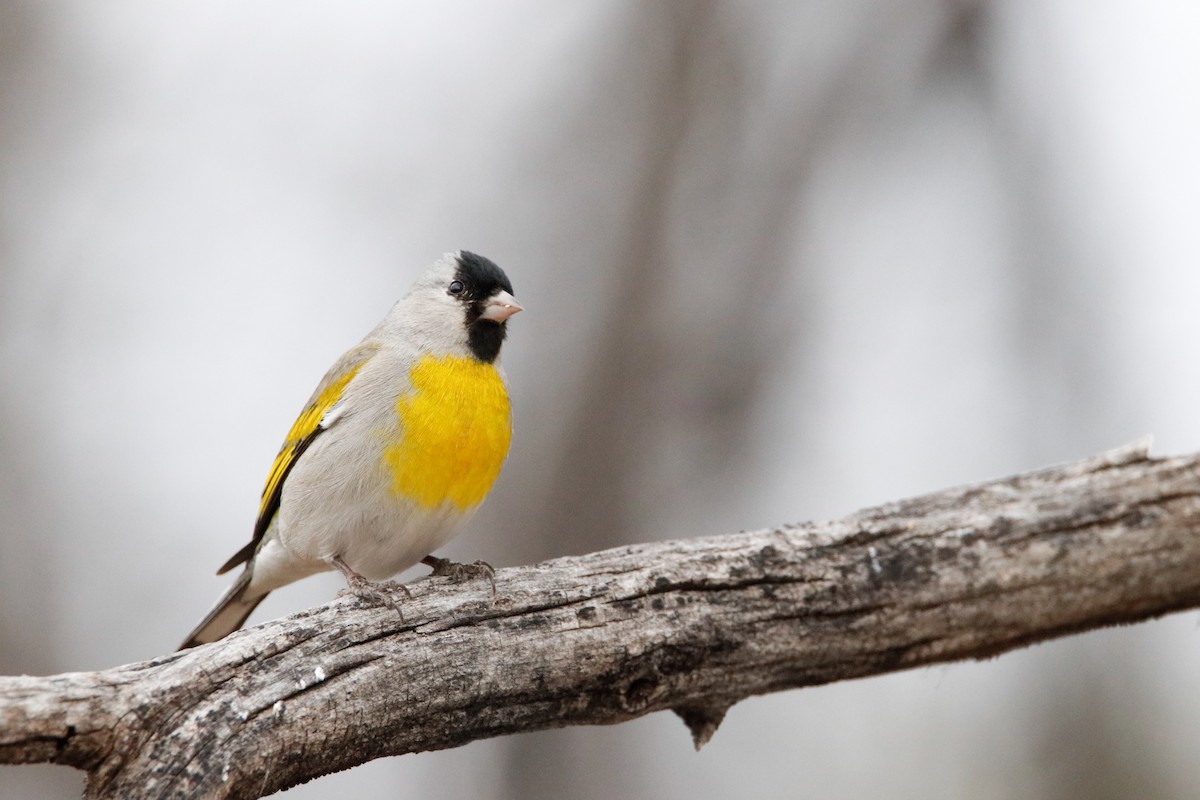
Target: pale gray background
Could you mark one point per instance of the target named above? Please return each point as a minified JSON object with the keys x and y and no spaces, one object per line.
{"x":780,"y":259}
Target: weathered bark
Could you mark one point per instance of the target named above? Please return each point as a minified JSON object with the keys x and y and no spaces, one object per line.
{"x":692,"y":626}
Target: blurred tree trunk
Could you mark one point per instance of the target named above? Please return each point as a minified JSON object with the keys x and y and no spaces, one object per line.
{"x":696,"y":316}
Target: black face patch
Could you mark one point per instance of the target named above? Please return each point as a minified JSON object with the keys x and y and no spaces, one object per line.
{"x":481,"y":280}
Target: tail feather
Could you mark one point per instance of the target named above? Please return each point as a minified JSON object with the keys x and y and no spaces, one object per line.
{"x":227,"y":615}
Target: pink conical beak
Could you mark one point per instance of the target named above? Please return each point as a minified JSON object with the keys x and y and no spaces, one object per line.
{"x":500,"y":307}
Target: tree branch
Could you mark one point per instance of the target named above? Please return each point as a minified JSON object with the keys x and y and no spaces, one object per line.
{"x":692,"y":626}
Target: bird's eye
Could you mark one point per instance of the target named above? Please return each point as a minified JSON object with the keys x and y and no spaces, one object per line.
{"x":455,"y":287}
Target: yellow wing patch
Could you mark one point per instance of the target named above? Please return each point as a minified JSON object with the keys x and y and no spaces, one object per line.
{"x":303,"y":431}
{"x":304,"y":426}
{"x":454,"y":434}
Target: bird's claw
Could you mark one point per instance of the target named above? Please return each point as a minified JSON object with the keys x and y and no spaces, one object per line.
{"x":458,"y":572}
{"x":382,"y":593}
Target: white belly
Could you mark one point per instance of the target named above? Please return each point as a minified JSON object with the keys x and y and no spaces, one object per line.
{"x":325,"y":512}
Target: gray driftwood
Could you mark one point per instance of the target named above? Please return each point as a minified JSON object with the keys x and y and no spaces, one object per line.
{"x":692,"y":626}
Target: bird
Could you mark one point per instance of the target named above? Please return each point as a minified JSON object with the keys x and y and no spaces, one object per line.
{"x":394,"y":452}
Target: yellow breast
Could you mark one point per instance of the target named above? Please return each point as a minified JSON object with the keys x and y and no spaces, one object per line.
{"x":455,"y":428}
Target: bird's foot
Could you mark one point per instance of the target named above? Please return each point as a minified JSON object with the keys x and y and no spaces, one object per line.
{"x":381,"y":593}
{"x":458,"y":572}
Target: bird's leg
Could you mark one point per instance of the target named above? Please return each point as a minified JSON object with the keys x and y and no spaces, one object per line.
{"x":445,"y":568}
{"x":383,"y":593}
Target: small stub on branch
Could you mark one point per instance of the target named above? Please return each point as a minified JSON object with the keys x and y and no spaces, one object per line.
{"x":1138,"y":450}
{"x":702,"y":721}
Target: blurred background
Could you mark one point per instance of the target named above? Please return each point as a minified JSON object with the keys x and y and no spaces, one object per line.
{"x":780,"y":260}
